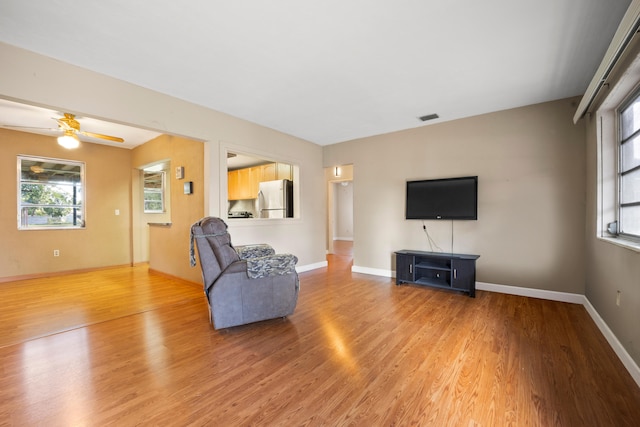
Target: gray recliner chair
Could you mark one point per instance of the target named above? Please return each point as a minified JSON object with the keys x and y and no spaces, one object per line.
{"x":244,"y":284}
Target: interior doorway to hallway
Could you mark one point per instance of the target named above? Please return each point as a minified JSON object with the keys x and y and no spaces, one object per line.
{"x":340,"y":225}
{"x":342,"y":257}
{"x":343,"y":211}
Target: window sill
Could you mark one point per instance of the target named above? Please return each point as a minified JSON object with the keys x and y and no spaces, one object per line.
{"x":49,"y":228}
{"x":623,"y":243}
{"x":260,"y":221}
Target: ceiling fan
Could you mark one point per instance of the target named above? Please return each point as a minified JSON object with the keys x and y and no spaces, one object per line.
{"x":68,"y":123}
{"x":70,"y":128}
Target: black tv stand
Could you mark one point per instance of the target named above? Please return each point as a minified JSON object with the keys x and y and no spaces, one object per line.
{"x":436,"y":269}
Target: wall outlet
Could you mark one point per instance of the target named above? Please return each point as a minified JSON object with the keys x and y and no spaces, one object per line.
{"x":117,"y":212}
{"x":56,"y":252}
{"x":618,"y":298}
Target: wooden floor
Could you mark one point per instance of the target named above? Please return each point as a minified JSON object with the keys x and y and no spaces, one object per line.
{"x":124,"y":347}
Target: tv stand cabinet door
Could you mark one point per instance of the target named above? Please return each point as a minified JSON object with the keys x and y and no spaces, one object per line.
{"x":404,"y":268}
{"x":463,"y":275}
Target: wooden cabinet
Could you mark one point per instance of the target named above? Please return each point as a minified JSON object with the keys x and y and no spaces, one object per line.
{"x":255,"y":178}
{"x":269,"y":172}
{"x":436,"y":269}
{"x":273,"y":171}
{"x":404,"y":268}
{"x":244,"y":183}
{"x":233,"y":190}
{"x":283,"y":171}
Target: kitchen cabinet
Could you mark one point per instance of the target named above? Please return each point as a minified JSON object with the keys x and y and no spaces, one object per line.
{"x":284,"y":171}
{"x":245,"y":183}
{"x":268,"y":172}
{"x":273,"y":171}
{"x":233,"y":191}
{"x":255,"y":177}
{"x":241,"y":184}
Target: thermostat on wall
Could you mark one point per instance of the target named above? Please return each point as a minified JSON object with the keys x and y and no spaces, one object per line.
{"x":188,"y":187}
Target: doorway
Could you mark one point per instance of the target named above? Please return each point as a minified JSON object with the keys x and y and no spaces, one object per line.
{"x":343,"y":211}
{"x":340,"y":226}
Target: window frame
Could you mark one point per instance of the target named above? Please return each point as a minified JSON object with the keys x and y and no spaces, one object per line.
{"x":78,"y":207}
{"x":621,"y":140}
{"x":161,"y":191}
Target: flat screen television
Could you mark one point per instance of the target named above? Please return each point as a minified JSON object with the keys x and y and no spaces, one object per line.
{"x":447,"y":198}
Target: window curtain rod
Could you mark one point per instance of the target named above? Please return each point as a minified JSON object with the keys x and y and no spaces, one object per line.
{"x":624,"y":34}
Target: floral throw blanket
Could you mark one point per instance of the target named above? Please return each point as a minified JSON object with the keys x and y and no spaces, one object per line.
{"x":262,"y":261}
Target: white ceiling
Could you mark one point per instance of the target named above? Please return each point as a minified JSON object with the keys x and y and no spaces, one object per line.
{"x":27,"y":118}
{"x":330,"y":70}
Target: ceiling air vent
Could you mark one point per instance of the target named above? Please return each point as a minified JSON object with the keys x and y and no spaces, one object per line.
{"x":428,"y":117}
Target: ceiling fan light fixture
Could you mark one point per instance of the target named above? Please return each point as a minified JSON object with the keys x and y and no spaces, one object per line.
{"x":69,"y":140}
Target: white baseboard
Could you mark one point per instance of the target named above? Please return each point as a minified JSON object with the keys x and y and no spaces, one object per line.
{"x":624,"y":357}
{"x":533,"y":293}
{"x":613,"y":341}
{"x":309,"y":267}
{"x":372,"y":271}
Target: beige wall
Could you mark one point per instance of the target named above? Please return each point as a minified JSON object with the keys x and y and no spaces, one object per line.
{"x":343,"y":203}
{"x":104,"y":241}
{"x":531,"y":167}
{"x":169,"y":245}
{"x":611,"y":268}
{"x":35,"y":79}
{"x":143,"y":156}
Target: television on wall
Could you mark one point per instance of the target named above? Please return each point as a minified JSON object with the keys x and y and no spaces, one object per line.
{"x":447,"y":198}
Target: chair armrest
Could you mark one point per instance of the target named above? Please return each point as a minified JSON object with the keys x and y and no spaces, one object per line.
{"x":273,"y":265}
{"x":254,"y":251}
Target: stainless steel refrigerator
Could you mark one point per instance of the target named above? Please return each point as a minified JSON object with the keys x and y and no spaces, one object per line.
{"x":275,"y":199}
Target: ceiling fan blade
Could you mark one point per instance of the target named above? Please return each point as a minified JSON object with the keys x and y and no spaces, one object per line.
{"x":101,"y":136}
{"x":28,"y":127}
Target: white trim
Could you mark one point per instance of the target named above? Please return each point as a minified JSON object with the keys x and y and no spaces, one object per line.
{"x":618,"y":348}
{"x":373,"y":271}
{"x":309,"y":267}
{"x":348,"y":239}
{"x":532,"y":293}
{"x":620,"y":40}
{"x":613,"y":341}
{"x":627,"y":244}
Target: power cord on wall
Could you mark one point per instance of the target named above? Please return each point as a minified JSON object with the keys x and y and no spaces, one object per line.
{"x":432,"y":243}
{"x":451,"y":236}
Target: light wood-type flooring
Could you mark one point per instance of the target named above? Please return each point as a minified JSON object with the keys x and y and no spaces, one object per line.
{"x":126,"y":347}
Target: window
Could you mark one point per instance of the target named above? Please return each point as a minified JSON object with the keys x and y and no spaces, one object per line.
{"x":154,"y":183}
{"x":629,"y":169}
{"x":50,"y":193}
{"x":617,"y":121}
